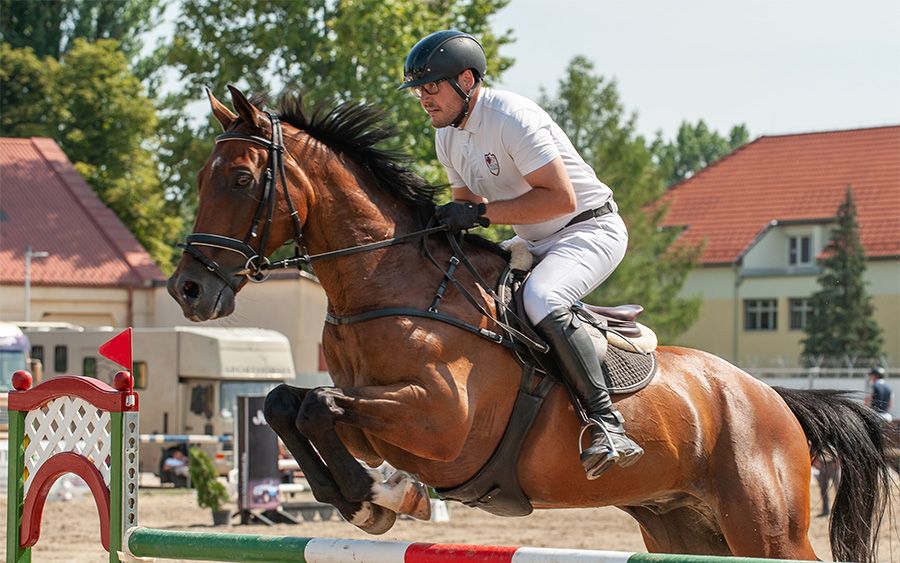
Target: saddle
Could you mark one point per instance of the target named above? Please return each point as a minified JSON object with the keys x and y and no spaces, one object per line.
{"x":628,"y":365}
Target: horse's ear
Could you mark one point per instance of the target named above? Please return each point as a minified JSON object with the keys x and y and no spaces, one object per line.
{"x":224,"y":115}
{"x":245,"y":109}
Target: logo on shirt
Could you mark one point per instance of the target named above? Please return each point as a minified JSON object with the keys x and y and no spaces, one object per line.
{"x":491,"y":160}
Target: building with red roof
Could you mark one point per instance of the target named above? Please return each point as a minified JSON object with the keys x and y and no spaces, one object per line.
{"x":94,"y":273}
{"x":763,"y":214}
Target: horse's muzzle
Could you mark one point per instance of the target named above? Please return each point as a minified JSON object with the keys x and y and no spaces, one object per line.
{"x":203,"y":297}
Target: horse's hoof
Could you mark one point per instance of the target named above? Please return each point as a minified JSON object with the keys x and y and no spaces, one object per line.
{"x":416,"y":502}
{"x":374,"y":519}
{"x":413,"y":497}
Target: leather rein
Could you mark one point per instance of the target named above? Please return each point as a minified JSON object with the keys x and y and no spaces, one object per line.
{"x":257,"y":266}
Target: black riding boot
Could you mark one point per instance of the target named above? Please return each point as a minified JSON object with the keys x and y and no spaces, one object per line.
{"x":574,"y":351}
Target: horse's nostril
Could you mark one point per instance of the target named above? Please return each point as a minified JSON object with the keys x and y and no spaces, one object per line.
{"x":190,"y":290}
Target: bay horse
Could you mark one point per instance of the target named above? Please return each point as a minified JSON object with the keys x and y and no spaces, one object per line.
{"x":726,"y":468}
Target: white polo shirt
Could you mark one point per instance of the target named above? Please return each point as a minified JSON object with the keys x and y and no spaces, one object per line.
{"x":506,"y":137}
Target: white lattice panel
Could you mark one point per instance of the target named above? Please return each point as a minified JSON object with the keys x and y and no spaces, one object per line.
{"x":67,"y":424}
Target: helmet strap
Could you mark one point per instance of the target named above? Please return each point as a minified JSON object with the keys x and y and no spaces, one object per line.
{"x":466,"y":97}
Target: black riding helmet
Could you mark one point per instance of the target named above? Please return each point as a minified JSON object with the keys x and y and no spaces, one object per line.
{"x":444,"y":55}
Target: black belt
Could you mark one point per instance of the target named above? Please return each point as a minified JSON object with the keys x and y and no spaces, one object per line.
{"x":590,"y":214}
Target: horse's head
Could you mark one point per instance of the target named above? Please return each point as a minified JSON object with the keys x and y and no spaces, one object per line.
{"x":244,"y":211}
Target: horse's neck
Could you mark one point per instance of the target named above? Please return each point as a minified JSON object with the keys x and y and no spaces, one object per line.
{"x":349,"y":212}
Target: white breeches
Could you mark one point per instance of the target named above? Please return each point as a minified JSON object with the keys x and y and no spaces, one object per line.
{"x":572,"y":263}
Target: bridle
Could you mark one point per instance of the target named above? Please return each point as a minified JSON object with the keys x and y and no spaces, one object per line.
{"x":257,"y":266}
{"x":256,"y":263}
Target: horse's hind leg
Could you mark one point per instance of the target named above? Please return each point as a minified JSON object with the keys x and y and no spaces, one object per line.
{"x":281,"y":409}
{"x":761,"y":500}
{"x":680,"y":530}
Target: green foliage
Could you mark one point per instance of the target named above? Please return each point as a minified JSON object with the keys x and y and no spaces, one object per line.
{"x":91,"y":104}
{"x":588,"y":108}
{"x":695,"y":147}
{"x":841,"y":322}
{"x":352,"y":49}
{"x":29,"y":101}
{"x":210,"y":492}
{"x":51,"y":28}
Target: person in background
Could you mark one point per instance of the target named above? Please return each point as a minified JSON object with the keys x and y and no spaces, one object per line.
{"x":881,"y":398}
{"x":176,"y":466}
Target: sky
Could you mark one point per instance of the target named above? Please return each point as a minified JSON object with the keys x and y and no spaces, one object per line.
{"x":786,"y":66}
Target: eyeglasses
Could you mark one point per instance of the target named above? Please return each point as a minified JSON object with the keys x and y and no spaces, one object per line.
{"x":430,"y":88}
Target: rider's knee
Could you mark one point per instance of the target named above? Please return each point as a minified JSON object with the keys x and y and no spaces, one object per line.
{"x":540,"y":301}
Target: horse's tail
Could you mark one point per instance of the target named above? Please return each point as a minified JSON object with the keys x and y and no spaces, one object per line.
{"x":838,"y":427}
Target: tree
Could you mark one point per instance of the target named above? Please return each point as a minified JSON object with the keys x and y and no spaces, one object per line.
{"x":695,"y":147}
{"x":352,"y":49}
{"x":51,"y":28}
{"x":93,"y":108}
{"x":28,"y":97}
{"x":589,"y":109}
{"x":841,"y":323}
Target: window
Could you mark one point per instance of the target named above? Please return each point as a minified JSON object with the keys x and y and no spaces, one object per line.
{"x":37,"y":353}
{"x":760,"y":314}
{"x":89,"y":366}
{"x":800,"y":251}
{"x":800,"y":312}
{"x":61,"y":359}
{"x":229,"y":391}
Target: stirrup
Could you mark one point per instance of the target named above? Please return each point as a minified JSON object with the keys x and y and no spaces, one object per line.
{"x":612,"y":456}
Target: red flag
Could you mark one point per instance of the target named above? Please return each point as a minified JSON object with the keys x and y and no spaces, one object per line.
{"x":118,"y":349}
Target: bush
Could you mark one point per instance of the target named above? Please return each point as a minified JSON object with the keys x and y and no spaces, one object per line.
{"x":210,"y":492}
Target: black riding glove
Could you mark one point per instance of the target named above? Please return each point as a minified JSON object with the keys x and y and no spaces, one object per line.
{"x":460,"y":216}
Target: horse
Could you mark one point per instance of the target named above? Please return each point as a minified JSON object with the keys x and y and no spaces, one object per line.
{"x":727,"y":462}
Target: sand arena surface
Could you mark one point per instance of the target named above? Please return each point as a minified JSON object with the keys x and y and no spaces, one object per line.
{"x":70,"y":528}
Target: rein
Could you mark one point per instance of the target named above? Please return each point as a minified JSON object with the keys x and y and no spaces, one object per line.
{"x":300,"y":259}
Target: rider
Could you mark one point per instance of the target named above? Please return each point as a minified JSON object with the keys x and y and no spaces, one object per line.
{"x":510,"y":163}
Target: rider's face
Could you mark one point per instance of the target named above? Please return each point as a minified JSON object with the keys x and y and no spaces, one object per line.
{"x":441,"y":101}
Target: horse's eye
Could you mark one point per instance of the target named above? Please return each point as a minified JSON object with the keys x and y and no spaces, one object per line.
{"x":243,"y":180}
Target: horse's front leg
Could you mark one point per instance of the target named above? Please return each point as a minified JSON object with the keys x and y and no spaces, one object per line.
{"x":281,"y":409}
{"x":405,"y":416}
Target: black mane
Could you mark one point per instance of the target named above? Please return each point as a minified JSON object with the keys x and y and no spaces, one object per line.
{"x":354,"y":129}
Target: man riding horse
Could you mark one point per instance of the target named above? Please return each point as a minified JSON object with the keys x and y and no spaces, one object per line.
{"x":510,"y":163}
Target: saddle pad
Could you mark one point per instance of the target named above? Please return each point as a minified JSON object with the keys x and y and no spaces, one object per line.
{"x":627,"y":372}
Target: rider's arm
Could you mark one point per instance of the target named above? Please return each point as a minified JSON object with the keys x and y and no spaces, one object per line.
{"x":463,"y":193}
{"x":528,"y":139}
{"x":551,"y":196}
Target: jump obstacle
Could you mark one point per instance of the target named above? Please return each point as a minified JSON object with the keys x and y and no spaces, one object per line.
{"x":80,"y":425}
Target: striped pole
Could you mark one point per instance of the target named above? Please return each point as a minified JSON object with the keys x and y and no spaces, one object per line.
{"x":185,"y":439}
{"x":147,"y":542}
